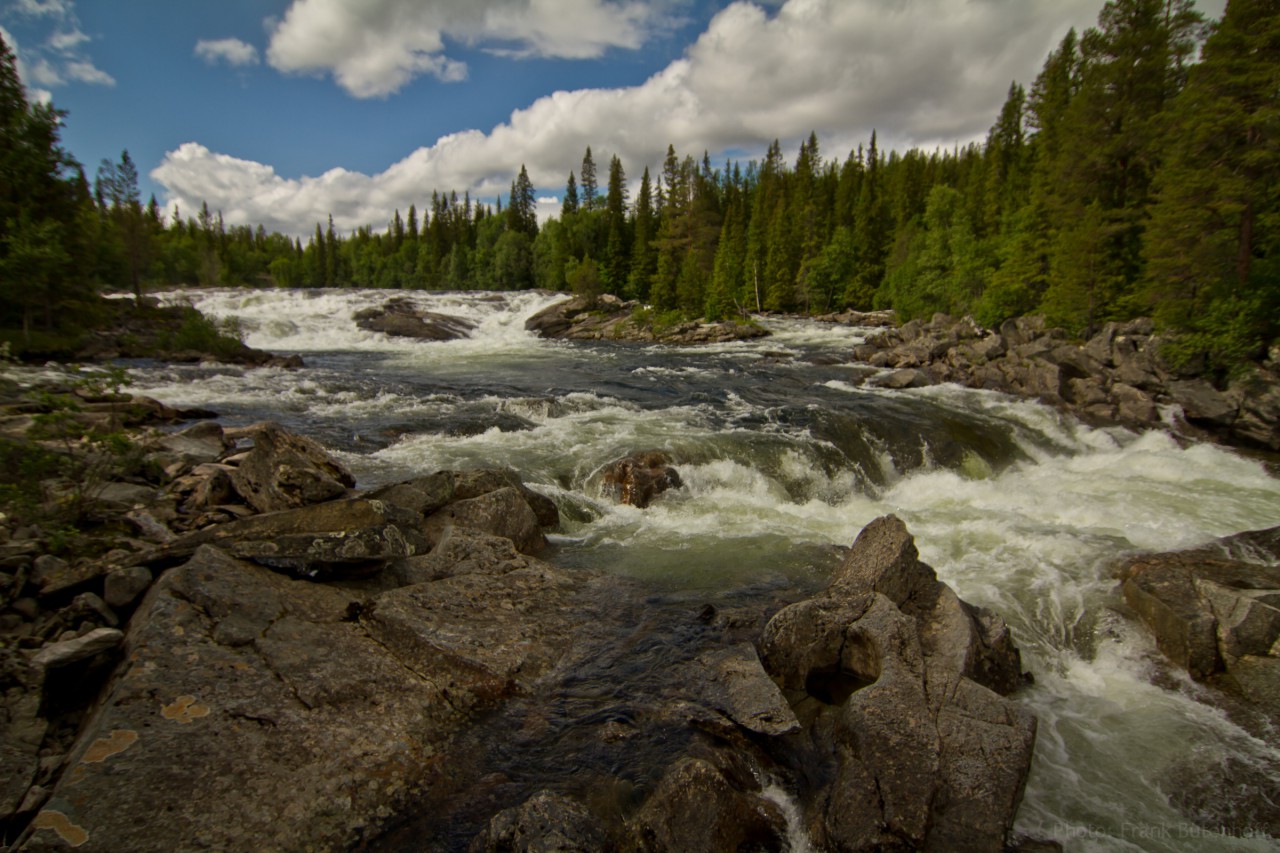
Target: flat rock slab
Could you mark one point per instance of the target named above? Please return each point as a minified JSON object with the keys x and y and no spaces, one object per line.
{"x":248,"y":708}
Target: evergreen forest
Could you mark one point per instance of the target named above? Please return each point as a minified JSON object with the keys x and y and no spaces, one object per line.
{"x":1137,"y":174}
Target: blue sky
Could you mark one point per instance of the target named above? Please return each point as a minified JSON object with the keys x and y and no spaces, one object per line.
{"x":283,"y":111}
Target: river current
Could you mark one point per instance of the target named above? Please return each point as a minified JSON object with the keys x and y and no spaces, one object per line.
{"x":784,"y":454}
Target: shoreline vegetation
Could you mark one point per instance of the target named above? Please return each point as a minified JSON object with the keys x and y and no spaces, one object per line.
{"x":1133,"y":177}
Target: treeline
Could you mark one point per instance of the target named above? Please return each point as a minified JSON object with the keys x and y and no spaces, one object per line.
{"x":1128,"y":178}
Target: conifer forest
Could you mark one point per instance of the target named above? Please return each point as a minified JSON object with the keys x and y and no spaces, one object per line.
{"x":1138,"y":174}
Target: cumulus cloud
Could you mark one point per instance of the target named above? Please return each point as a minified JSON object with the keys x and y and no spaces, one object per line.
{"x":374,"y":47}
{"x":921,"y":72}
{"x":232,"y":51}
{"x":85,"y":71}
{"x":60,"y":59}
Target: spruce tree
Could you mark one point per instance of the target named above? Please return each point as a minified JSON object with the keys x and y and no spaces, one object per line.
{"x":1213,"y":254}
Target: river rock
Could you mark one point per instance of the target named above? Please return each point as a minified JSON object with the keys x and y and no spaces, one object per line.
{"x":286,"y":471}
{"x":201,"y":442}
{"x":896,"y":678}
{"x":338,"y":537}
{"x":1215,"y":611}
{"x":503,"y":512}
{"x":547,"y":822}
{"x":640,"y":477}
{"x":608,"y":318}
{"x":248,"y":706}
{"x":1117,"y":376}
{"x":696,"y":807}
{"x":401,"y":318}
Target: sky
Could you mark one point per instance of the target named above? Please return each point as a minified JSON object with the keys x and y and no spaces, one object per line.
{"x":284,"y":112}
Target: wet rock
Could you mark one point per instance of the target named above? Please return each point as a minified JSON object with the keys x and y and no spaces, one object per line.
{"x":607,"y":318}
{"x":695,"y":807}
{"x":736,"y":684}
{"x":547,"y":822}
{"x":286,"y":471}
{"x":896,"y":677}
{"x":503,"y":512}
{"x":901,"y":379}
{"x":640,"y":477}
{"x":401,"y":318}
{"x":1215,"y":610}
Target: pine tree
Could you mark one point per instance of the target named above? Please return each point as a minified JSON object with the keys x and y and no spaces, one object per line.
{"x":587,"y":181}
{"x":1213,"y":253}
{"x":645,"y":227}
{"x":569,"y":206}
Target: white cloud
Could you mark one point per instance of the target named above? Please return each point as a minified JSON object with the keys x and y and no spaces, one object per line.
{"x":374,"y":47}
{"x":85,"y":71}
{"x":44,"y":74}
{"x":59,"y":60}
{"x":921,"y":72}
{"x":232,"y":51}
{"x":41,"y":8}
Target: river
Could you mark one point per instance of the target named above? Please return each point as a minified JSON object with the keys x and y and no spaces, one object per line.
{"x":784,"y":454}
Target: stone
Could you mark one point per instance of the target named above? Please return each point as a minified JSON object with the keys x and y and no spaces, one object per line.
{"x":696,"y":807}
{"x":123,"y":586}
{"x":483,"y":637}
{"x":474,"y":483}
{"x":901,"y":379}
{"x":201,"y":442}
{"x":399,"y":317}
{"x":67,"y":652}
{"x":460,"y":551}
{"x":341,"y":537}
{"x":735,"y":683}
{"x":503,"y":512}
{"x":638,"y":478}
{"x":287,"y":471}
{"x":1202,"y":403}
{"x":1134,"y":406}
{"x":300,"y":730}
{"x":547,"y":822}
{"x":896,"y":678}
{"x":1215,"y":610}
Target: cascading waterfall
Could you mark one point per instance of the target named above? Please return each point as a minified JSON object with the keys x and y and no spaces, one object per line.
{"x":783,"y":454}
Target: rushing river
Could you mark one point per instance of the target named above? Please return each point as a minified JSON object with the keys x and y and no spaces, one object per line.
{"x":783,"y":454}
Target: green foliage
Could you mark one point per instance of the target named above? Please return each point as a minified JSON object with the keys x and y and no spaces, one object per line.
{"x":198,"y":333}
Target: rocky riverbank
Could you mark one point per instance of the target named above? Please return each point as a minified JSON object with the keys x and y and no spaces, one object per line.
{"x":267,"y":656}
{"x":1118,"y":376}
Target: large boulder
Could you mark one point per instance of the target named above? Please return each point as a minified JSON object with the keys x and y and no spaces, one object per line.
{"x":1215,"y":611}
{"x":286,"y":471}
{"x":896,"y":679}
{"x":399,"y":317}
{"x":253,"y":707}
